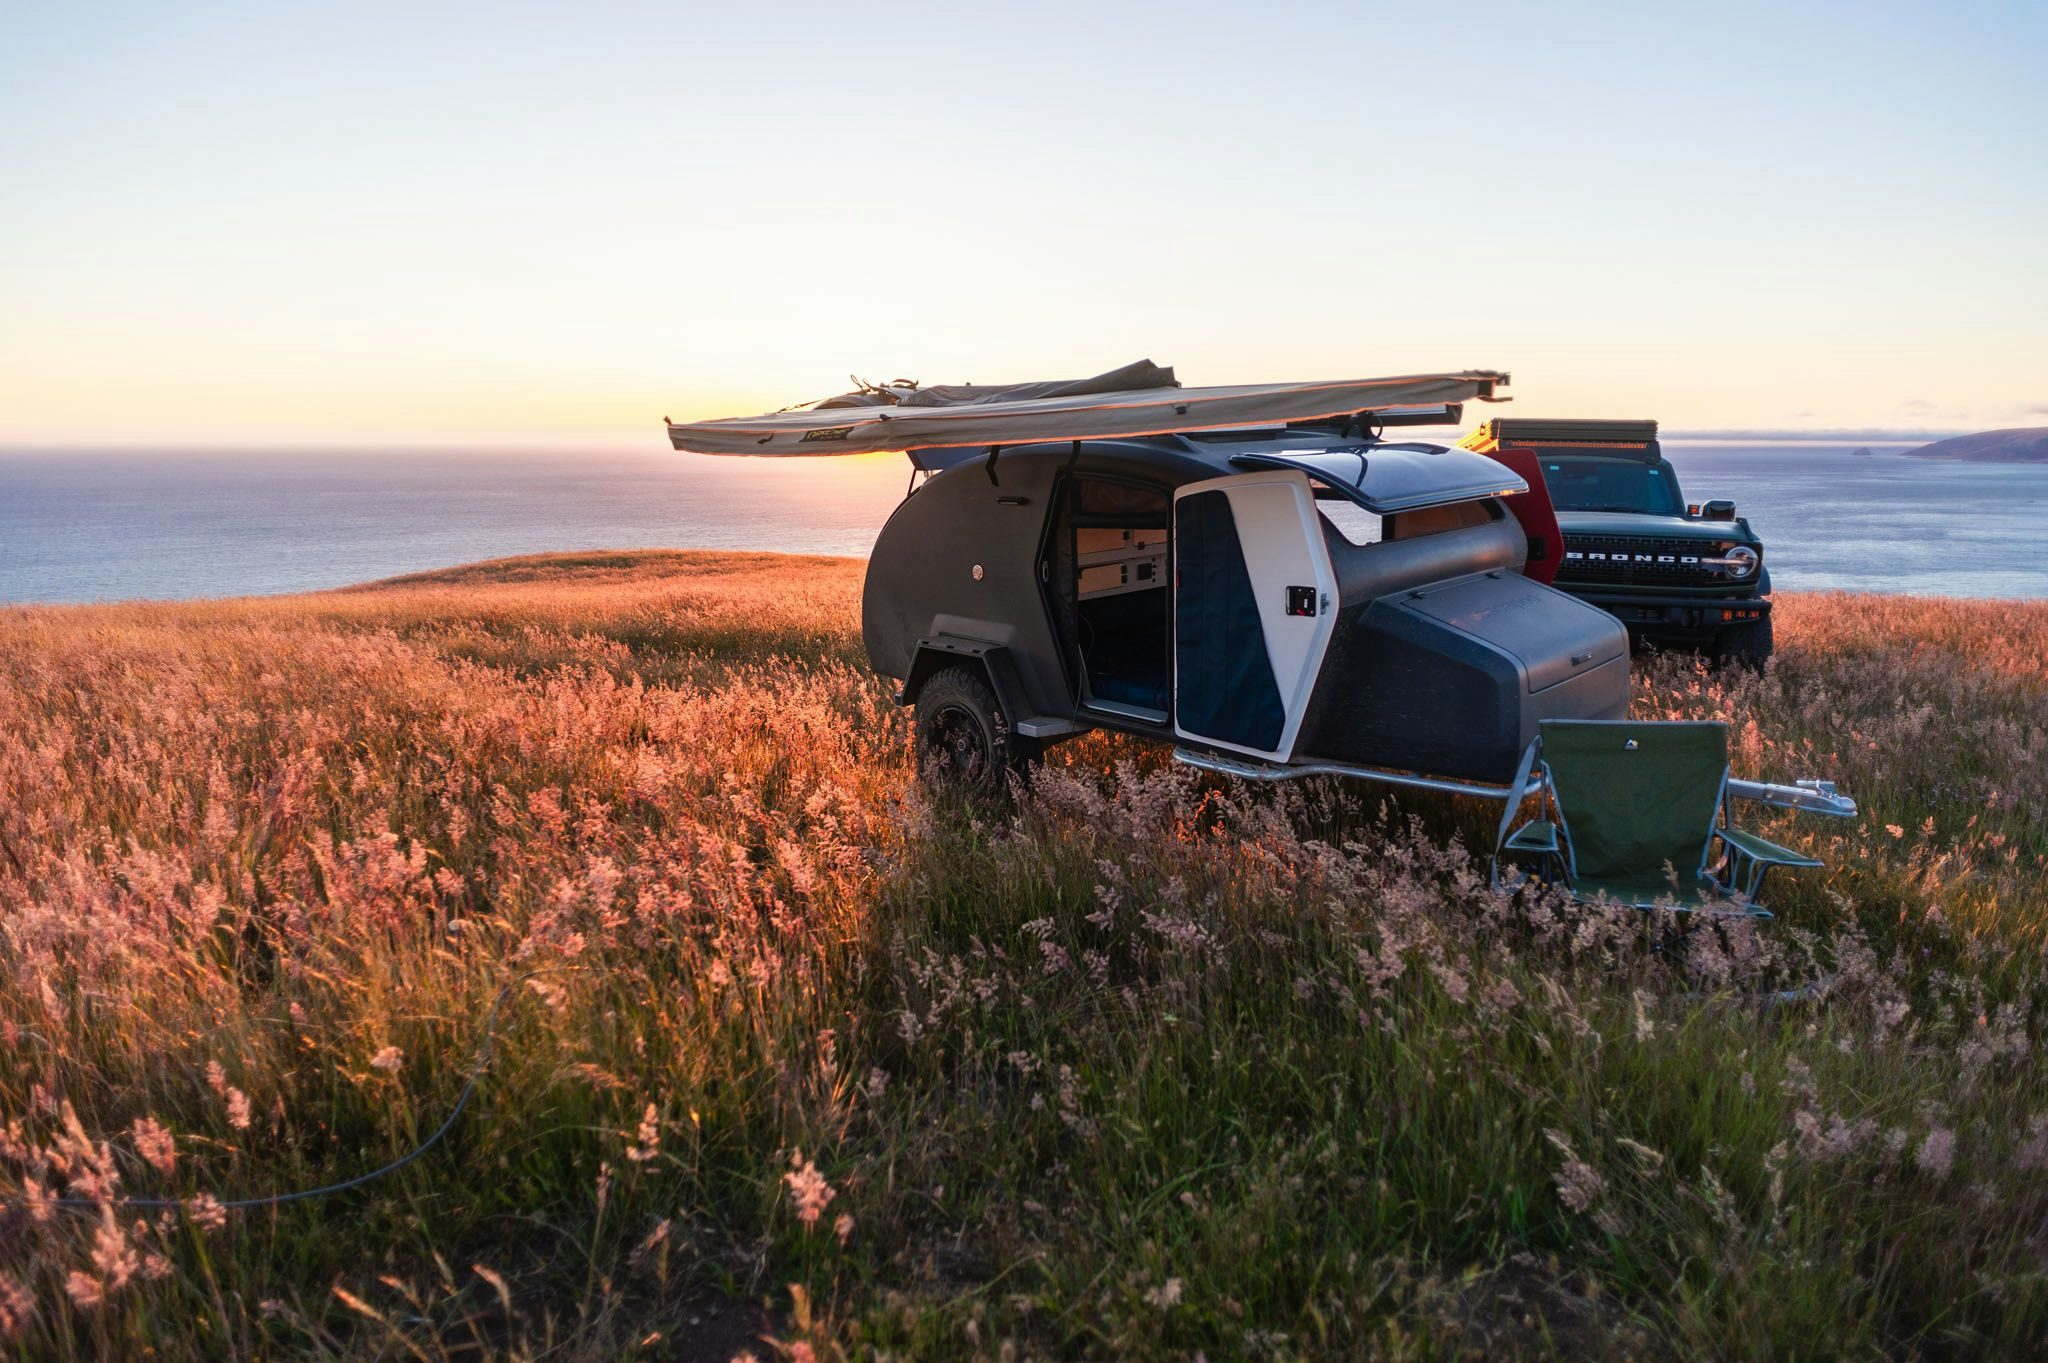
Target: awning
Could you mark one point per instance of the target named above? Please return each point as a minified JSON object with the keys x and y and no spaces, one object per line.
{"x":990,"y":417}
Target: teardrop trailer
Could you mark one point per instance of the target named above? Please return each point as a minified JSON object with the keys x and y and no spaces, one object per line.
{"x":1257,"y":575}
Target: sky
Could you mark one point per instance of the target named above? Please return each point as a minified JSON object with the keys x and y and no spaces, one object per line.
{"x":465,"y":223}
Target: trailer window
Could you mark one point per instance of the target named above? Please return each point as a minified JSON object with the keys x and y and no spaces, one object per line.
{"x":1435,"y":520}
{"x":1352,"y":521}
{"x":1126,"y":503}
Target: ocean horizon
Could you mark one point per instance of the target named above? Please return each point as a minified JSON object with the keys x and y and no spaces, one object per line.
{"x":81,"y":525}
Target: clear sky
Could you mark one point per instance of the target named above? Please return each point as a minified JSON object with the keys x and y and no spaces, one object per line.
{"x":390,"y":222}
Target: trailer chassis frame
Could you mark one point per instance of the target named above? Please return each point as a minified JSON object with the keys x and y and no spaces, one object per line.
{"x":1807,"y":796}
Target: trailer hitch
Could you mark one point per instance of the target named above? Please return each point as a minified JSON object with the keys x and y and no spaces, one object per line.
{"x":1808,"y":796}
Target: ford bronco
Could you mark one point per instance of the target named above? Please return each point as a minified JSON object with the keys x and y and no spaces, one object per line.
{"x":1676,"y":574}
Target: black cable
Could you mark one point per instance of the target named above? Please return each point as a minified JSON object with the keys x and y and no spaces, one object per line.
{"x":476,"y":1071}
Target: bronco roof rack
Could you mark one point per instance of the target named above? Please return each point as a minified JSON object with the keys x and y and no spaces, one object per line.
{"x":1510,"y":430}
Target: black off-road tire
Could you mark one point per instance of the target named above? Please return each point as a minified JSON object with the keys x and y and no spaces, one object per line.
{"x":965,"y":744}
{"x":1748,"y":644}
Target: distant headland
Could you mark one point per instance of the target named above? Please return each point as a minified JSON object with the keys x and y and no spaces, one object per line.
{"x":2019,"y":445}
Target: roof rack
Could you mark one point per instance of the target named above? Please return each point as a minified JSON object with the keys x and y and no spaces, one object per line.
{"x":1510,"y":430}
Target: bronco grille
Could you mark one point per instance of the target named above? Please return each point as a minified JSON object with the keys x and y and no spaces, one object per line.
{"x":1643,"y":561}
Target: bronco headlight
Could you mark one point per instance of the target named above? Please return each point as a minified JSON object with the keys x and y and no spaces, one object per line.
{"x":1738,"y":560}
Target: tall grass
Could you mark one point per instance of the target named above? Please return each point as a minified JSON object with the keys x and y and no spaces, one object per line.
{"x":796,"y":1063}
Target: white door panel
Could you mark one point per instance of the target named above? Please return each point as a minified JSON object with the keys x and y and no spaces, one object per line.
{"x":1280,"y":535}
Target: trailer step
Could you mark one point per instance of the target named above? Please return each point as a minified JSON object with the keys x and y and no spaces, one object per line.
{"x":1250,"y":769}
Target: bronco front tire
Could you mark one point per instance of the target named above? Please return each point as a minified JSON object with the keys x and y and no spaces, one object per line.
{"x":1745,"y":645}
{"x":964,"y":740}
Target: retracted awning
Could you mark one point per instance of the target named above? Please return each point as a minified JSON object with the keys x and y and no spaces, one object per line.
{"x":994,"y":419}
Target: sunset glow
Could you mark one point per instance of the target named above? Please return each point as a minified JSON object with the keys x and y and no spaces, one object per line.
{"x":1400,"y":712}
{"x":381,"y":224}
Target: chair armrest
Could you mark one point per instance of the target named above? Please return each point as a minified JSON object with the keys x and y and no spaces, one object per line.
{"x":1538,"y":835}
{"x":1763,"y":851}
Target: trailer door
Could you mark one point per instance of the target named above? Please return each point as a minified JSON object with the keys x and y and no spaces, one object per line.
{"x":1254,"y":602}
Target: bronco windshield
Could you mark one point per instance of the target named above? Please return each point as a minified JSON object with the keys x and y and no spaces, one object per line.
{"x":1579,"y":483}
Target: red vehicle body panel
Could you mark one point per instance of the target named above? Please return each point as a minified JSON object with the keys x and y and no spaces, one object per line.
{"x":1534,"y":511}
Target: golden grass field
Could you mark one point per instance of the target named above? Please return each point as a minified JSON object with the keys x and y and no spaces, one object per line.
{"x":796,"y":1063}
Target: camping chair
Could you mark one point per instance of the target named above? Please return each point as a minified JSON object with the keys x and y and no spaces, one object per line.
{"x":1627,"y":805}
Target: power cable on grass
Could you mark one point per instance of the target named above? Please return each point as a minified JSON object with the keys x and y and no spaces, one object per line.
{"x":476,"y":1072}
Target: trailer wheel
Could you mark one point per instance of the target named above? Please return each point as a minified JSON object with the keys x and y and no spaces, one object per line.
{"x":1745,"y":645}
{"x":964,"y":740}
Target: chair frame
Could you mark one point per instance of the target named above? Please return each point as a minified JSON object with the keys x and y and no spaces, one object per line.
{"x":1738,"y":873}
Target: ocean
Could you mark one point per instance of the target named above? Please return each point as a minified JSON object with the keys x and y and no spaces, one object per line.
{"x":112,"y":524}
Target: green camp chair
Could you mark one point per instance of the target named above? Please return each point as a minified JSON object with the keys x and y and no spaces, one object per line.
{"x":1627,"y":804}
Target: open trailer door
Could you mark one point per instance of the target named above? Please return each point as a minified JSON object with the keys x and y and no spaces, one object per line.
{"x":1255,"y":598}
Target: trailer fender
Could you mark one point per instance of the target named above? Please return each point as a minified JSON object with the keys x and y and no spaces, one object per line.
{"x":940,"y":651}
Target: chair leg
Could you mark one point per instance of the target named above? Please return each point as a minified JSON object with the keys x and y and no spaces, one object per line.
{"x":1756,"y":882}
{"x":1549,"y":870}
{"x":1742,"y":876}
{"x":1692,"y":925}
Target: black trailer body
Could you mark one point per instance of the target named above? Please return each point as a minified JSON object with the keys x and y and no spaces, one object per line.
{"x":1283,"y":596}
{"x":1254,"y":574}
